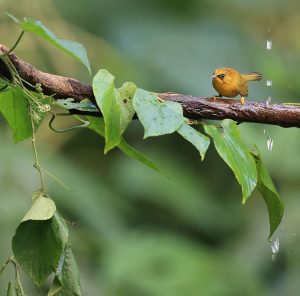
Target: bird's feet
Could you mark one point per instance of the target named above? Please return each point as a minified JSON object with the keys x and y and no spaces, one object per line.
{"x":216,"y":97}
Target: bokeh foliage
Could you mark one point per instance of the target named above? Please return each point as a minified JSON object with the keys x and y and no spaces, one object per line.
{"x":138,"y":232}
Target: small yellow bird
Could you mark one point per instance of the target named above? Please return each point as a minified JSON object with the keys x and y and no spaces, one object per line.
{"x":229,"y":82}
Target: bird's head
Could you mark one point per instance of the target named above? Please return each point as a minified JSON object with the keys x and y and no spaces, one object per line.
{"x":224,"y":75}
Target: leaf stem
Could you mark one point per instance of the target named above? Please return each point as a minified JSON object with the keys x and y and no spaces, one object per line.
{"x":5,"y":264}
{"x":36,"y":159}
{"x":14,"y":46}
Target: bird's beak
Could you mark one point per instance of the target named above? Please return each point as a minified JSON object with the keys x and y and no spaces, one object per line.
{"x":213,"y":76}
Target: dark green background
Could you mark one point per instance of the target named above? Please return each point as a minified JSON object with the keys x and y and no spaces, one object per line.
{"x":135,"y":232}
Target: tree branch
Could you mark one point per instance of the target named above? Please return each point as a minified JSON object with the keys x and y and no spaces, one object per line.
{"x":194,"y":107}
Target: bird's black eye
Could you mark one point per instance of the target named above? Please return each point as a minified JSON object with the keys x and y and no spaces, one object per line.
{"x":221,"y":76}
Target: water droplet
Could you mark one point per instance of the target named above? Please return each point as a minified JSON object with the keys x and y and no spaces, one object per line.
{"x":269,"y":98}
{"x":270,"y":144}
{"x":275,"y":248}
{"x":269,"y":82}
{"x":269,"y":44}
{"x":264,"y":131}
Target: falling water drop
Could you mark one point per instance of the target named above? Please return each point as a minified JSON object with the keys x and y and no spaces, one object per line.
{"x":275,"y":248}
{"x":269,"y":84}
{"x":270,"y":144}
{"x":269,"y":98}
{"x":269,"y":44}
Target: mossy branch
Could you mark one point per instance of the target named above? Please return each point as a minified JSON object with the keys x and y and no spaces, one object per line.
{"x":194,"y":107}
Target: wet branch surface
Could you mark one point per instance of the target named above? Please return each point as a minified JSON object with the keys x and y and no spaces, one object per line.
{"x":194,"y":107}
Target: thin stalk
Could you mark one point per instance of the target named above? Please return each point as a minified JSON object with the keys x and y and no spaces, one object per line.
{"x":5,"y":264}
{"x":18,"y":284}
{"x":36,"y":159}
{"x":14,"y":46}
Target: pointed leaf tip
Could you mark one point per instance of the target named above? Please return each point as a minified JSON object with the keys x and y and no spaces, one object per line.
{"x":269,"y":193}
{"x":72,"y":48}
{"x":200,"y":141}
{"x":235,"y":153}
{"x":97,"y":125}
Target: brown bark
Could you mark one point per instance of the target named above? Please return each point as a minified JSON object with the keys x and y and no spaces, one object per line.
{"x":194,"y":107}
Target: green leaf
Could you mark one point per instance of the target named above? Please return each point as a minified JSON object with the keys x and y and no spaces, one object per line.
{"x":37,"y":194}
{"x":124,"y":97}
{"x":66,"y":281}
{"x":55,"y":287}
{"x":10,"y":290}
{"x":158,"y":118}
{"x":14,"y":107}
{"x":73,"y":49}
{"x":270,"y":195}
{"x":84,"y":105}
{"x":97,"y":125}
{"x":42,"y":209}
{"x":235,"y":153}
{"x":38,"y":244}
{"x":200,"y":141}
{"x":104,"y":91}
{"x":133,"y":153}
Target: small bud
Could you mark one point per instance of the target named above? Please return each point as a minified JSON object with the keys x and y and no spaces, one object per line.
{"x":44,"y":108}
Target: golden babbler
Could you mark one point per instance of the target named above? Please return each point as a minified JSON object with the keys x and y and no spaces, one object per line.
{"x":229,"y":82}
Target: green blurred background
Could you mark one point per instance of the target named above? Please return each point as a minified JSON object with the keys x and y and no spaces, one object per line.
{"x":134,"y":232}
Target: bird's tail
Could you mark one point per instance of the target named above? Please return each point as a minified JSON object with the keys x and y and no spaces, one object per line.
{"x":252,"y":76}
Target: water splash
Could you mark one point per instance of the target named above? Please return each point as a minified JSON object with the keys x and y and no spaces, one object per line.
{"x":270,"y":144}
{"x":275,"y":246}
{"x":269,"y":44}
{"x":269,"y":83}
